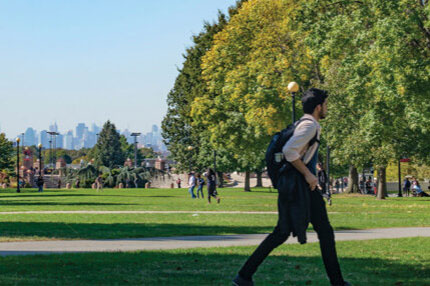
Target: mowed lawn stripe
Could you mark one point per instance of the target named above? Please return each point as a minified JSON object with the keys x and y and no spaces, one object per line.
{"x":134,"y":213}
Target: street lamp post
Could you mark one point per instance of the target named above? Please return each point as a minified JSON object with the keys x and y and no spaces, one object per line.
{"x":400,"y":180}
{"x":190,"y":148}
{"x":135,"y":134}
{"x":215,"y":161}
{"x":293,"y":87}
{"x":18,"y":190}
{"x":328,"y":169}
{"x":53,"y":142}
{"x":40,"y":159}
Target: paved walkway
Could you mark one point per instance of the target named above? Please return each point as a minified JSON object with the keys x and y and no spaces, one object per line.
{"x":159,"y":243}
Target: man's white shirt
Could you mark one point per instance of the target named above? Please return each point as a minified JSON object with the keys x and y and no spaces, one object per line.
{"x":297,"y":146}
{"x":192,"y":181}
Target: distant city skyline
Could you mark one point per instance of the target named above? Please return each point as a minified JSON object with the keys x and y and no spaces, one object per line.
{"x":83,"y":136}
{"x":93,"y":61}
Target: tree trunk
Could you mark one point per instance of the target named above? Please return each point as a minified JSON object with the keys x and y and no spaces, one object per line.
{"x":220,"y":180}
{"x":382,"y":184}
{"x":247,"y":182}
{"x":352,"y":180}
{"x":259,"y":179}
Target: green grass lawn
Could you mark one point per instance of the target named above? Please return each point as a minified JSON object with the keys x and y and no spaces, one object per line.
{"x":347,"y":212}
{"x":371,"y":263}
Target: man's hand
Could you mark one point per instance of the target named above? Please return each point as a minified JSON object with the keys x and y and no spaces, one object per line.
{"x":312,"y":181}
{"x":310,"y":178}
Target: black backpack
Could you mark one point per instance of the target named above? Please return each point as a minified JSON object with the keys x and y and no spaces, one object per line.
{"x":275,"y":160}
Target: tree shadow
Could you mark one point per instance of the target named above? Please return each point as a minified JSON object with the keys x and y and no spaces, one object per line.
{"x":26,"y":203}
{"x":23,"y":230}
{"x":215,"y":266}
{"x":47,"y":195}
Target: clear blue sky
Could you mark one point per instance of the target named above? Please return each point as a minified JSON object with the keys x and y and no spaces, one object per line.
{"x":93,"y":60}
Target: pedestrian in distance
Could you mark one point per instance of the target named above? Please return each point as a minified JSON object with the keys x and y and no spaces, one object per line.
{"x":322,"y":183}
{"x":337,"y":185}
{"x":406,"y":187}
{"x":178,"y":182}
{"x":212,"y":192}
{"x":39,"y":183}
{"x":299,"y":202}
{"x":191,"y":184}
{"x":201,"y":183}
{"x":99,"y":183}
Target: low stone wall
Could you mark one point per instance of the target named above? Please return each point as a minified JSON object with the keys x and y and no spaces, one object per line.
{"x":394,"y":186}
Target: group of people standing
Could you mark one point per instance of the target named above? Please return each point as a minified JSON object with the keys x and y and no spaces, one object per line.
{"x":197,"y":180}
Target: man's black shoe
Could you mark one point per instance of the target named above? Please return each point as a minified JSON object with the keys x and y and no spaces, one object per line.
{"x":239,"y":281}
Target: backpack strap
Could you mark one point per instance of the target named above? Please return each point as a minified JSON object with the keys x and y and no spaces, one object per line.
{"x":315,"y":138}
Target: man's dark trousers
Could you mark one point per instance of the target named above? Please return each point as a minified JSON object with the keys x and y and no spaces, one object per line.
{"x":321,"y":224}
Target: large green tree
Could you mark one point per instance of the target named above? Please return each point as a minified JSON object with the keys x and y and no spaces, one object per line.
{"x":108,"y":151}
{"x":179,"y":132}
{"x":6,"y":153}
{"x":374,"y":58}
{"x":247,"y":72}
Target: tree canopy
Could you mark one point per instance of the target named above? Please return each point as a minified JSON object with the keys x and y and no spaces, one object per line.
{"x":6,"y":153}
{"x":108,"y":151}
{"x":372,"y":56}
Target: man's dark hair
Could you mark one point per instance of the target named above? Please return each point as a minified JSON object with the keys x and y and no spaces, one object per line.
{"x":312,"y":98}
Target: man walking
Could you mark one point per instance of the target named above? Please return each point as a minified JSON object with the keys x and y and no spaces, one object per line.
{"x":299,"y":184}
{"x":322,"y":183}
{"x":192,"y":185}
{"x":406,"y":187}
{"x":99,"y":183}
{"x":39,"y":183}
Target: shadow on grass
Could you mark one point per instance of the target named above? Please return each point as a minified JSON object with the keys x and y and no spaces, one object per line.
{"x":45,"y":195}
{"x":58,"y":230}
{"x":201,"y":267}
{"x":40,"y":203}
{"x":25,"y":230}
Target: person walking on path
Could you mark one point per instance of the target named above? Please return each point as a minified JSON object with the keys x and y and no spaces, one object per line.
{"x":212,"y":186}
{"x":99,"y":183}
{"x":322,"y":183}
{"x":406,"y":187}
{"x":192,"y":184}
{"x":178,"y":182}
{"x":298,"y":195}
{"x":39,"y":183}
{"x":201,"y":183}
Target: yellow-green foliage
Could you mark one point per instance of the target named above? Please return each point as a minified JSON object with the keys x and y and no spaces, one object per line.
{"x":421,"y":172}
{"x":247,"y":71}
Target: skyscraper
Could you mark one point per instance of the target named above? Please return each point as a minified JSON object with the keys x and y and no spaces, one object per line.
{"x":60,"y":141}
{"x":127,"y":135}
{"x":95,"y":129}
{"x":53,"y":127}
{"x":80,"y":130}
{"x":30,"y":137}
{"x":44,"y":139}
{"x":68,"y":140}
